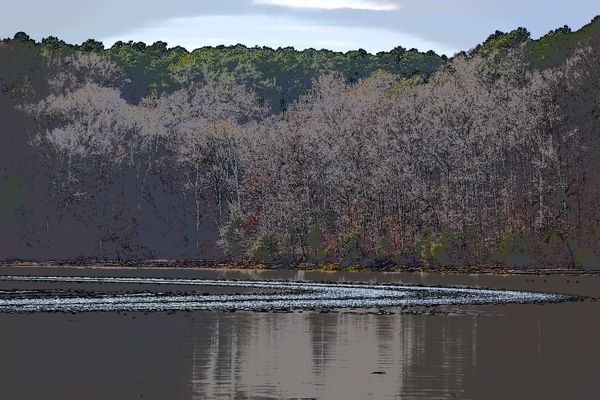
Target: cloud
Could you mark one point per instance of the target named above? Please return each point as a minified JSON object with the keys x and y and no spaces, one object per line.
{"x":272,"y":31}
{"x":368,"y":5}
{"x":435,"y":24}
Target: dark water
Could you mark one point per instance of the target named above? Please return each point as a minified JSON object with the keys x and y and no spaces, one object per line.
{"x":549,"y":351}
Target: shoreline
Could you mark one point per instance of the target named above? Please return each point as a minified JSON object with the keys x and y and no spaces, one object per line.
{"x":248,"y":265}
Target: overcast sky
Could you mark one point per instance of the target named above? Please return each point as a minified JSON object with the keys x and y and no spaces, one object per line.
{"x":445,"y":26}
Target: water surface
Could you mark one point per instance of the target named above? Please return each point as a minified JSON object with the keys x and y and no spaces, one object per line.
{"x":477,"y":351}
{"x":278,"y":295}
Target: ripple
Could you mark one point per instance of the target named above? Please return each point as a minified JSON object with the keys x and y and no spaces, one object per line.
{"x":287,"y":296}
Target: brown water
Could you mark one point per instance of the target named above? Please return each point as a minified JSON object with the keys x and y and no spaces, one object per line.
{"x":518,"y":351}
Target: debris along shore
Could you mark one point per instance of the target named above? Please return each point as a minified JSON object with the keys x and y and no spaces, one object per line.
{"x":301,"y":266}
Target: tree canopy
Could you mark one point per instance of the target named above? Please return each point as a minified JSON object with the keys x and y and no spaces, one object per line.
{"x":278,"y":155}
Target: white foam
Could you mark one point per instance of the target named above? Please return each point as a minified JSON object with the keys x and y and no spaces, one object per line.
{"x":289,"y":295}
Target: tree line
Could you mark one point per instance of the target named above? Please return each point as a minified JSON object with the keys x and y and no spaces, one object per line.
{"x":489,"y":158}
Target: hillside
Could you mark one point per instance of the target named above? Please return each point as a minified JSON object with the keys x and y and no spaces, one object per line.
{"x":141,"y":151}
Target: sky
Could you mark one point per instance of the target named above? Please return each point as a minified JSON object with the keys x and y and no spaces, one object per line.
{"x":445,"y":26}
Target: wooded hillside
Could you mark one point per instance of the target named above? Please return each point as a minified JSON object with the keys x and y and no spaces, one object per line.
{"x":140,"y":151}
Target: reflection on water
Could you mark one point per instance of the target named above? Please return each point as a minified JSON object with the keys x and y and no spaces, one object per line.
{"x":304,"y":355}
{"x":477,"y":352}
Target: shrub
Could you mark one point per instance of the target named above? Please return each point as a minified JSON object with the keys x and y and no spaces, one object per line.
{"x":351,"y":241}
{"x":314,"y":239}
{"x":442,"y":250}
{"x":512,"y":249}
{"x":233,"y":238}
{"x":264,"y":248}
{"x":384,"y":245}
{"x":423,"y":248}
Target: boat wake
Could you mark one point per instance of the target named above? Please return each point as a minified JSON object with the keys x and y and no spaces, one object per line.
{"x":282,"y":295}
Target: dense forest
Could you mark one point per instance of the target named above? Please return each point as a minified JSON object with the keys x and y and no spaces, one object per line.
{"x":491,"y":157}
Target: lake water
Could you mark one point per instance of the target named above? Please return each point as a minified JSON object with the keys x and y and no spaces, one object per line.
{"x":549,"y":351}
